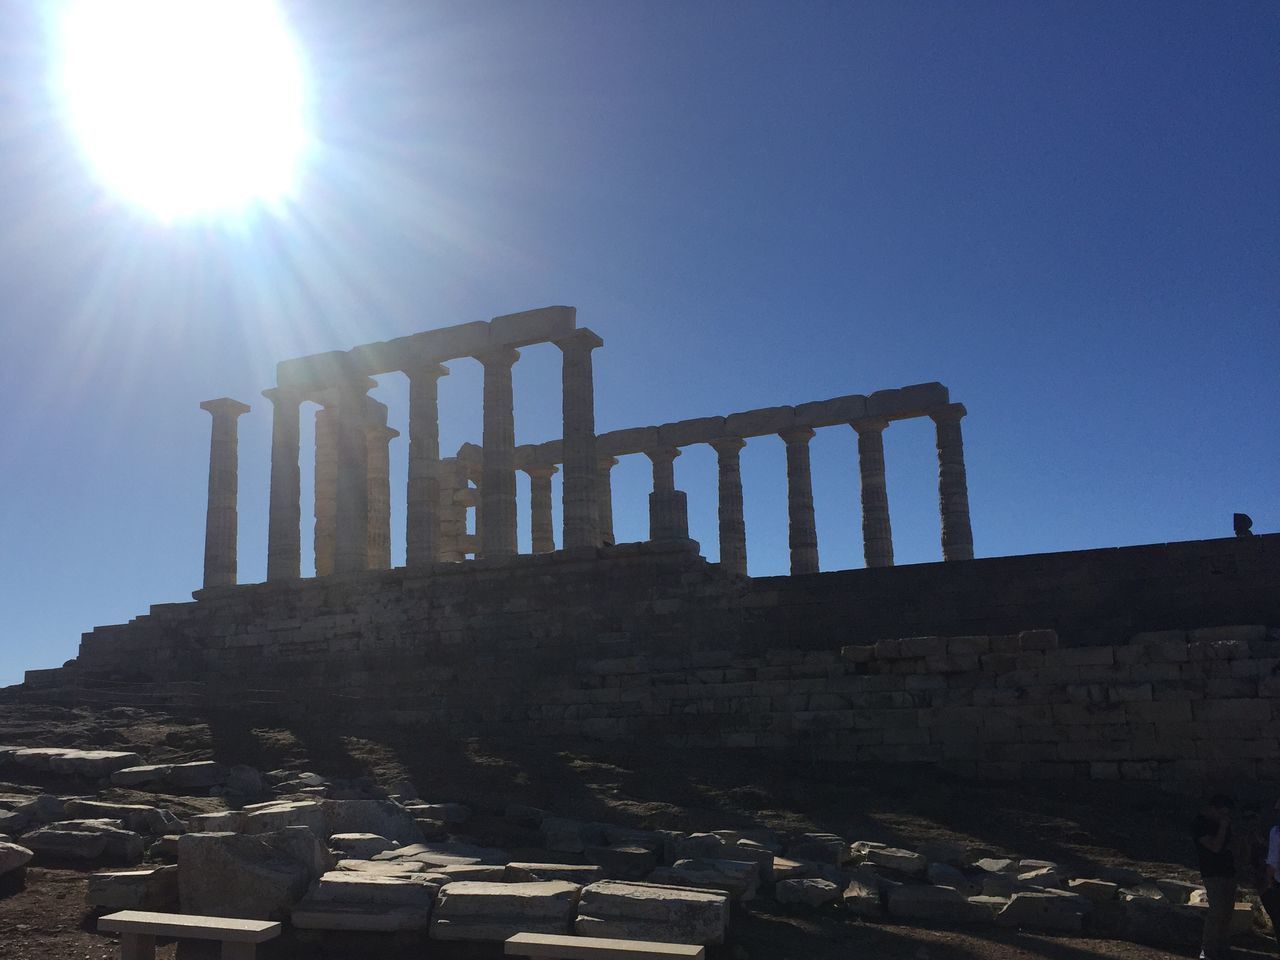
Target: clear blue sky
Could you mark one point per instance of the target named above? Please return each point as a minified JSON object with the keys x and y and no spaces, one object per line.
{"x":1068,"y":212}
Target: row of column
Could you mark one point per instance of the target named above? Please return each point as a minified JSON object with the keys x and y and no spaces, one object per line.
{"x":352,"y":504}
{"x":668,"y":509}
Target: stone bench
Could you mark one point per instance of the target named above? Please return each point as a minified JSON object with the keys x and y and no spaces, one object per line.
{"x":138,"y":930}
{"x":555,"y":947}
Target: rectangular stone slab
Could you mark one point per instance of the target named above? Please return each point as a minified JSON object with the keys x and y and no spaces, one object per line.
{"x":590,"y":948}
{"x":184,"y":925}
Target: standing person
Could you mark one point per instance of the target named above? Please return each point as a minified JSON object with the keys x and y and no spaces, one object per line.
{"x":1270,"y":892}
{"x":1211,"y":830}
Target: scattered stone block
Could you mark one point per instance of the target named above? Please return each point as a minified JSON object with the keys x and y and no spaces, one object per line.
{"x":469,"y":910}
{"x":569,"y":836}
{"x":581,"y":874}
{"x":255,"y":877}
{"x":1096,"y":891}
{"x":1177,"y":891}
{"x":1157,"y":922}
{"x":151,"y":889}
{"x":445,"y":812}
{"x":13,"y":856}
{"x":278,"y":814}
{"x":489,"y":873}
{"x":623,"y":863}
{"x":91,"y":764}
{"x":141,"y":776}
{"x":992,"y":904}
{"x":408,"y":890}
{"x":810,"y":892}
{"x":196,"y":776}
{"x":360,"y":846}
{"x":385,"y":868}
{"x":945,"y":875}
{"x":784,"y":868}
{"x":382,"y":817}
{"x":934,"y":904}
{"x":226,"y":821}
{"x":738,"y":878}
{"x":135,"y":816}
{"x":1044,"y":911}
{"x":903,"y":861}
{"x":86,"y":840}
{"x":445,"y":854}
{"x":820,"y":848}
{"x":45,"y":808}
{"x":996,"y":865}
{"x":244,"y":781}
{"x":861,"y":897}
{"x":645,"y":911}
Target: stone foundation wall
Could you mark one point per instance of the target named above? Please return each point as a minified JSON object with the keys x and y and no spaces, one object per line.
{"x":648,"y":641}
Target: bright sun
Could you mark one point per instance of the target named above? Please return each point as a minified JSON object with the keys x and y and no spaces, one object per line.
{"x":184,"y":108}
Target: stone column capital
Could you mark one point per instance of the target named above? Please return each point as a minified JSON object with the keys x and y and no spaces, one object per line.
{"x":663,"y":454}
{"x":951,"y":413}
{"x":581,"y":339}
{"x":606,"y":463}
{"x":795,"y":435}
{"x":498,"y":357}
{"x":728,"y":446}
{"x":283,"y":395}
{"x":225,"y":407}
{"x":869,"y":425}
{"x":424,"y":370}
{"x":381,"y":431}
{"x":540,"y":471}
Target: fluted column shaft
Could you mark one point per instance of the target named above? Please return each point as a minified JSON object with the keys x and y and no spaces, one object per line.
{"x":325,"y":482}
{"x":351,"y":536}
{"x":802,"y":534}
{"x":221,"y":517}
{"x":540,"y":526}
{"x":668,"y":507}
{"x":284,"y":535}
{"x":733,"y":527}
{"x":498,"y":472}
{"x":877,"y":533}
{"x":579,"y":489}
{"x":953,"y":485}
{"x":379,"y":437}
{"x":604,"y":499}
{"x":422,"y":514}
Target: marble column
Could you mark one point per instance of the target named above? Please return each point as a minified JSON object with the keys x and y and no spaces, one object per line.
{"x":284,"y":534}
{"x":422,"y":516}
{"x":604,"y":499}
{"x":220,"y":523}
{"x":802,"y":533}
{"x":540,"y":526}
{"x":953,"y":487}
{"x":351,"y":521}
{"x":325,"y":482}
{"x":497,"y":521}
{"x":668,"y":507}
{"x":733,"y":528}
{"x":877,"y":534}
{"x":579,"y":488}
{"x":378,"y":437}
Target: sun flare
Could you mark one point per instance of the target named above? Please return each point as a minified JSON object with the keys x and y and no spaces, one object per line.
{"x":184,"y":108}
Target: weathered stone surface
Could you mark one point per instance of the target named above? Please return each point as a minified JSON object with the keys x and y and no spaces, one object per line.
{"x":1158,"y":922}
{"x":313,"y":914}
{"x":88,"y":763}
{"x":738,"y":878}
{"x":623,"y":863}
{"x":470,"y":871}
{"x":997,"y":865}
{"x":1141,"y":891}
{"x":581,"y":874}
{"x":445,"y":812}
{"x":384,"y":868}
{"x":569,"y":836}
{"x":201,"y":774}
{"x":244,"y":781}
{"x":278,"y":814}
{"x":643,"y":911}
{"x":13,"y":856}
{"x":469,"y":910}
{"x":141,"y":775}
{"x":903,"y":861}
{"x":1042,"y":877}
{"x":524,"y":815}
{"x":86,"y":840}
{"x":940,"y":904}
{"x":784,"y":868}
{"x":45,"y":808}
{"x":225,"y":821}
{"x":993,"y":905}
{"x":13,"y":823}
{"x":945,"y":875}
{"x":811,"y":892}
{"x":861,"y":897}
{"x":1177,"y":891}
{"x":381,"y":817}
{"x":820,"y":848}
{"x":407,"y":890}
{"x":360,"y":846}
{"x":256,"y":877}
{"x":1097,"y":891}
{"x":446,"y":854}
{"x":135,"y":816}
{"x":151,"y":889}
{"x":1044,"y":911}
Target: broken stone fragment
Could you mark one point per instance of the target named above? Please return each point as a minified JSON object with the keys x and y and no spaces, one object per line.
{"x":645,"y":911}
{"x":903,"y":861}
{"x":1044,"y":911}
{"x":810,"y":892}
{"x":573,"y":872}
{"x":469,"y":910}
{"x":151,"y":889}
{"x":941,"y":904}
{"x":360,"y":846}
{"x":13,"y":856}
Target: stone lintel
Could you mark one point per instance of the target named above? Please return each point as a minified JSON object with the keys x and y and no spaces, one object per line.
{"x":756,"y":423}
{"x":915,"y":400}
{"x":619,"y":442}
{"x":952,"y":411}
{"x":471,"y":454}
{"x":830,"y":413}
{"x":225,"y":405}
{"x":686,"y":432}
{"x":533,"y":326}
{"x":533,"y":454}
{"x":581,"y":337}
{"x":316,"y":370}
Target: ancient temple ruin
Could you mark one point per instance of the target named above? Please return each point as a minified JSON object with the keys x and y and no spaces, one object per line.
{"x":353,"y":484}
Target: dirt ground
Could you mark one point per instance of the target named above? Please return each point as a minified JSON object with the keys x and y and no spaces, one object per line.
{"x":1084,"y":825}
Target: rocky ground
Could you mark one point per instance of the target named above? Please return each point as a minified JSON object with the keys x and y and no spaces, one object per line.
{"x":1092,"y":827}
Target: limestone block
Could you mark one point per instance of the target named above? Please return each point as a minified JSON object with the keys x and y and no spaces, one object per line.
{"x":244,"y":781}
{"x":569,"y":836}
{"x":383,"y":868}
{"x":152,"y":889}
{"x":312,"y":914}
{"x":13,"y":856}
{"x":164,"y":848}
{"x":1041,"y":877}
{"x":756,"y":423}
{"x":940,"y":904}
{"x":1044,"y":911}
{"x":617,"y":443}
{"x":257,"y":877}
{"x":82,"y":763}
{"x":86,"y":840}
{"x":945,"y":875}
{"x":693,"y":845}
{"x":13,"y":823}
{"x":445,"y":854}
{"x":784,"y":868}
{"x":810,"y":892}
{"x":406,"y":890}
{"x":581,"y":874}
{"x":623,"y":862}
{"x":471,"y":871}
{"x":469,"y":910}
{"x":135,"y":816}
{"x":384,"y":818}
{"x":993,"y":905}
{"x":745,"y":849}
{"x":45,"y":808}
{"x":196,"y":776}
{"x":1097,"y":891}
{"x":644,"y":911}
{"x":830,"y":413}
{"x":278,"y":814}
{"x":1145,"y":920}
{"x":141,"y":775}
{"x":738,"y":878}
{"x":1178,"y":891}
{"x":685,"y":432}
{"x":532,"y":326}
{"x":820,"y":848}
{"x":861,"y":897}
{"x":445,"y":812}
{"x":225,"y":821}
{"x":903,"y":861}
{"x":360,"y":846}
